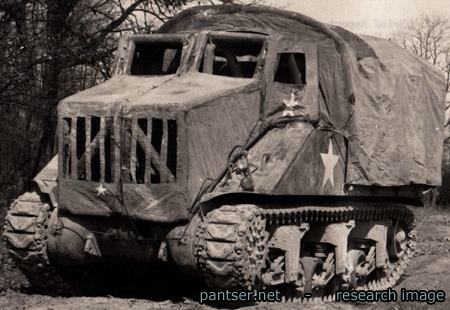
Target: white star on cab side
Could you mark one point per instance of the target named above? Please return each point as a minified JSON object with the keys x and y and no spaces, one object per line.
{"x":329,"y":161}
{"x":288,"y":113}
{"x":101,"y":190}
{"x":290,"y":104}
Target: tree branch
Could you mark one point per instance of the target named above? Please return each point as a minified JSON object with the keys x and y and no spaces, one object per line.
{"x":116,"y":23}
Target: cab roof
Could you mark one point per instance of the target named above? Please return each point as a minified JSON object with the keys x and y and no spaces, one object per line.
{"x":262,"y":19}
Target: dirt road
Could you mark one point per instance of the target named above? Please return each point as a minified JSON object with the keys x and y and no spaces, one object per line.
{"x":429,"y":270}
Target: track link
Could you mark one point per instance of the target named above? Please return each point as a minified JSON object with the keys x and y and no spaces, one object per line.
{"x":231,"y":247}
{"x":25,"y":233}
{"x":229,"y":235}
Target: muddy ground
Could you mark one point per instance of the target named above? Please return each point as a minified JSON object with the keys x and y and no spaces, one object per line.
{"x":429,"y":270}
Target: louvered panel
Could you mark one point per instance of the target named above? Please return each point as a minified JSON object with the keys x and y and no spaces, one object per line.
{"x":101,"y":149}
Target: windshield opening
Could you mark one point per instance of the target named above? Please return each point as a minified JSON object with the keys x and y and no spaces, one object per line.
{"x":232,"y":56}
{"x":156,"y":58}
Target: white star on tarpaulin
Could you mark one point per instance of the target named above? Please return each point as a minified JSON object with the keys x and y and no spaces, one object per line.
{"x":101,"y":190}
{"x":329,"y":161}
{"x":290,"y":104}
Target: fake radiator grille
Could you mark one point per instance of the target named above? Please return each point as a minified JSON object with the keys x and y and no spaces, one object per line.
{"x":108,"y":149}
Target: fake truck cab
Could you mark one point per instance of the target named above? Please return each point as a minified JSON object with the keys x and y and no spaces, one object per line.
{"x":252,"y":147}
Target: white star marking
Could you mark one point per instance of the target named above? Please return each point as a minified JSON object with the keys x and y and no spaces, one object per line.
{"x":101,"y":190}
{"x":290,"y":104}
{"x":329,"y":161}
{"x":288,"y":113}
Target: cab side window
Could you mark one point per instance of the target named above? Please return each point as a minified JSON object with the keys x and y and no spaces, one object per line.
{"x":232,"y":57}
{"x":291,"y":69}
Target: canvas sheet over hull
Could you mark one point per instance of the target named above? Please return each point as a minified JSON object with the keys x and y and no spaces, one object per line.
{"x":213,"y":114}
{"x":397,"y":133}
{"x":388,"y":102}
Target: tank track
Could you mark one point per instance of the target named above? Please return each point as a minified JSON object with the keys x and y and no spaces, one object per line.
{"x":25,"y":233}
{"x":225,"y":245}
{"x":222,"y":266}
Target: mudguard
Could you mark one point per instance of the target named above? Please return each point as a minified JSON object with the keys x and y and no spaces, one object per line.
{"x":47,"y":179}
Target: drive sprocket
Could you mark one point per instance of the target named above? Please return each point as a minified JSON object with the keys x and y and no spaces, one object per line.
{"x":231,"y":247}
{"x":25,"y":234}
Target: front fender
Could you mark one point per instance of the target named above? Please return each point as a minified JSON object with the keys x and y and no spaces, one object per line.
{"x":47,"y":179}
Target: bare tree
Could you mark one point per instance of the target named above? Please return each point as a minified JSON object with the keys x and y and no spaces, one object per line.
{"x":429,"y":37}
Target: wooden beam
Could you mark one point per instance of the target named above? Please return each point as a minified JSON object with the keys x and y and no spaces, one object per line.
{"x":73,"y":148}
{"x":208,"y":59}
{"x":112,"y":150}
{"x":250,"y":38}
{"x":87,"y":152}
{"x":197,"y":54}
{"x":164,"y":172}
{"x":93,"y":147}
{"x":148,"y":161}
{"x":261,"y":60}
{"x":102,"y":149}
{"x":129,"y":54}
{"x":125,"y":150}
{"x":164,"y":141}
{"x":116,"y":141}
{"x":133,"y":159}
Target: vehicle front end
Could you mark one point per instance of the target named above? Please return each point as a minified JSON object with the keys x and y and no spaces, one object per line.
{"x":135,"y":151}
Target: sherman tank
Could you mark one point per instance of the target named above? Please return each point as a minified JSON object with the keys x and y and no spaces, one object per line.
{"x":255,"y":148}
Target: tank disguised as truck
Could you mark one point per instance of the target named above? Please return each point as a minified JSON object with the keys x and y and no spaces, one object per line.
{"x":252,"y":147}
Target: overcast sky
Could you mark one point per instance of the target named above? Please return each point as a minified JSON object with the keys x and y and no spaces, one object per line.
{"x":372,"y":17}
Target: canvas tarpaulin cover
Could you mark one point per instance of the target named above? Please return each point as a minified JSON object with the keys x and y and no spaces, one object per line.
{"x":398,"y":133}
{"x":388,"y":102}
{"x":202,"y":109}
